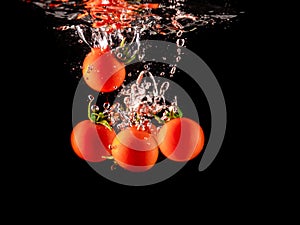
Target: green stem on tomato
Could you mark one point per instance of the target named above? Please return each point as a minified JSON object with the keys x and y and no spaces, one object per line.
{"x":158,"y":119}
{"x":170,"y":115}
{"x":89,"y":109}
{"x":98,"y":118}
{"x":173,"y":115}
{"x":122,"y":42}
{"x":104,"y":123}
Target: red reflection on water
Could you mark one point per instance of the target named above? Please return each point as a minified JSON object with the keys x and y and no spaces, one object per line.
{"x":110,"y":14}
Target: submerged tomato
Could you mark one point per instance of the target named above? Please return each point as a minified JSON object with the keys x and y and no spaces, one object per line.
{"x":102,"y":71}
{"x":91,"y":141}
{"x":135,"y":150}
{"x":181,"y":139}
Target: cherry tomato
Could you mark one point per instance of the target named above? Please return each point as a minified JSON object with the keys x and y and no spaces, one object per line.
{"x":102,"y":71}
{"x":181,"y":139}
{"x":135,"y":150}
{"x":91,"y":141}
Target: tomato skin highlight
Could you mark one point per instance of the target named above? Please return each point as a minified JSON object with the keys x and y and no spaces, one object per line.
{"x":91,"y":141}
{"x":135,"y":150}
{"x":102,"y":71}
{"x":181,"y":139}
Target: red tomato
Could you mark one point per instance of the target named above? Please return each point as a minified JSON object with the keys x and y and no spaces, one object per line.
{"x":135,"y":150}
{"x":91,"y":141}
{"x":102,"y":71}
{"x":181,"y":139}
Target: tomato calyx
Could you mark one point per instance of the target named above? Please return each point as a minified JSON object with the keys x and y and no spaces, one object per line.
{"x":169,"y":114}
{"x":174,"y":113}
{"x":96,"y":117}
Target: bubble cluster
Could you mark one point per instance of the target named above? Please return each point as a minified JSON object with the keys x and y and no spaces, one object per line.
{"x":139,"y":104}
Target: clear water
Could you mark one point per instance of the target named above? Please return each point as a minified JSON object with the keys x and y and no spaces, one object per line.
{"x":121,"y":25}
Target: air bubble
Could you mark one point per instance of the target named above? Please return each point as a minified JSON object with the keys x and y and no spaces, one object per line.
{"x":95,"y":108}
{"x":163,"y":88}
{"x":141,"y":57}
{"x":179,"y":33}
{"x":178,"y":51}
{"x":140,"y":78}
{"x":106,"y":105}
{"x":180,"y":42}
{"x":111,"y":147}
{"x":173,"y":70}
{"x":113,"y":166}
{"x":119,"y":55}
{"x":91,"y":97}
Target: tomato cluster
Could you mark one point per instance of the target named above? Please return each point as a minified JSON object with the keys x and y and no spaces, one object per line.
{"x":179,"y":139}
{"x":95,"y":140}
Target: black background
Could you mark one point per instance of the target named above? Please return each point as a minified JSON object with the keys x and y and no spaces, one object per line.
{"x":43,"y":89}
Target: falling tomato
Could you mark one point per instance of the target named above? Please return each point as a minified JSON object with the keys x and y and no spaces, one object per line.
{"x":135,"y":150}
{"x":181,"y":139}
{"x":102,"y":71}
{"x":91,"y":141}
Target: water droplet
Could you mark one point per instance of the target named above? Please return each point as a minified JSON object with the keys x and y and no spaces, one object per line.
{"x":178,"y":58}
{"x":162,"y":74}
{"x":89,"y":69}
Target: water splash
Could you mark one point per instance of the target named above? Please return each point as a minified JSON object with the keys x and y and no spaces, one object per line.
{"x":139,"y":104}
{"x":109,"y":22}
